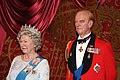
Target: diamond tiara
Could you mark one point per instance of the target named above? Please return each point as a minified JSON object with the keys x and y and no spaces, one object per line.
{"x":31,"y":29}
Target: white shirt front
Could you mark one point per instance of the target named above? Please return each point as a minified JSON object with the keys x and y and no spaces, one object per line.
{"x":80,"y":55}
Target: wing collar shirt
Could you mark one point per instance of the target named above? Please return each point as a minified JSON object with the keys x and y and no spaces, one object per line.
{"x":80,"y":55}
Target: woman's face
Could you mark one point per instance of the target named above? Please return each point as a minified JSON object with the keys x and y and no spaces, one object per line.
{"x":26,"y":44}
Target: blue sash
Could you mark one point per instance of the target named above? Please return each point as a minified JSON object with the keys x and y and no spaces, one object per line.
{"x":22,"y":75}
{"x":77,"y":73}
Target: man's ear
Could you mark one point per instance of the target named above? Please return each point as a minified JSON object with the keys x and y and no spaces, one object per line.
{"x":90,"y":23}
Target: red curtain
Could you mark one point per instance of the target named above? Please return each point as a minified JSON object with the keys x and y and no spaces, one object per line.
{"x":38,"y":13}
{"x":82,"y":3}
{"x":15,"y":13}
{"x":2,"y":38}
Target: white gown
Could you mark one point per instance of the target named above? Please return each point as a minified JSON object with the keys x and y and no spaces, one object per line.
{"x":41,"y":70}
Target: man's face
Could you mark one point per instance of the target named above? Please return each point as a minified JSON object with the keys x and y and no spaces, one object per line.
{"x":82,"y":23}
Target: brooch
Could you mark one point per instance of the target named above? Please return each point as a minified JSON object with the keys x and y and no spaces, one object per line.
{"x":28,"y":68}
{"x":93,"y":50}
{"x":33,"y":71}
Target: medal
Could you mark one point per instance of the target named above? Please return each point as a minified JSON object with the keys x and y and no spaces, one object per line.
{"x":93,"y":50}
{"x":80,"y":49}
{"x":88,"y":56}
{"x":70,"y":54}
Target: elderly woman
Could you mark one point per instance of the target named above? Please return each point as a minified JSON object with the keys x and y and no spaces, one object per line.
{"x":29,"y":66}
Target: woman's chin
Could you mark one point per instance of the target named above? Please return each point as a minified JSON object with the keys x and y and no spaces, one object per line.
{"x":24,"y":51}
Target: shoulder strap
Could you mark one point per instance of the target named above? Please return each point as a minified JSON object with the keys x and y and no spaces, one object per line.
{"x":67,"y":50}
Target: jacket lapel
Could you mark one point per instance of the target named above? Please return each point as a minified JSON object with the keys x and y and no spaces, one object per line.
{"x":72,"y":57}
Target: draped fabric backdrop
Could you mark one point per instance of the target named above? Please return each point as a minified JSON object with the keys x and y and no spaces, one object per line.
{"x":55,"y":19}
{"x":38,"y":13}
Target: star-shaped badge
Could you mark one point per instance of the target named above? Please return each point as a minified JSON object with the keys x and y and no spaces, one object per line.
{"x":97,"y":68}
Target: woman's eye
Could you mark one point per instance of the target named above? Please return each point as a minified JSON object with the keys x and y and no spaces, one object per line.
{"x":81,"y":21}
{"x":20,"y":41}
{"x":25,"y":41}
